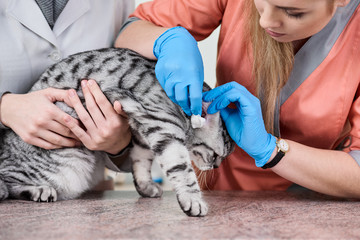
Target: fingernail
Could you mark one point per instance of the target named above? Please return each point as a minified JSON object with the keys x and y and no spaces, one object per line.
{"x":90,"y":82}
{"x":83,"y":83}
{"x":67,"y":119}
{"x":117,"y":104}
{"x":72,"y":92}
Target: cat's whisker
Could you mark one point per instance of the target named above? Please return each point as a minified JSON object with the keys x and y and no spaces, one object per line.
{"x":198,"y":174}
{"x":202,"y":178}
{"x":205,"y":180}
{"x":212,"y":174}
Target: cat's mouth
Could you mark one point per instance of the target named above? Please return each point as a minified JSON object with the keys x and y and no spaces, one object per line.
{"x":204,"y":167}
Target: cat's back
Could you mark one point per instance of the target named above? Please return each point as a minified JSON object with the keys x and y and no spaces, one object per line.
{"x":118,"y":67}
{"x":122,"y":74}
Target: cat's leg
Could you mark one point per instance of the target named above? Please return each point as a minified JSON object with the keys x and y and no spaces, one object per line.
{"x":142,"y":159}
{"x":11,"y":186}
{"x":174,"y":159}
{"x":4,"y":193}
{"x":16,"y":183}
{"x":33,"y":193}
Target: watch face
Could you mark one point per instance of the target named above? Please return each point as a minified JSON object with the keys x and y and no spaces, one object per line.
{"x":283,"y":145}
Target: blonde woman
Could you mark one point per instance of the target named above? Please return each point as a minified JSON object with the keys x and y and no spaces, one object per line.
{"x":292,"y":68}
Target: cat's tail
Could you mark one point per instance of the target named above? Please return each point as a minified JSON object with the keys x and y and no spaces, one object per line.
{"x":4,"y":192}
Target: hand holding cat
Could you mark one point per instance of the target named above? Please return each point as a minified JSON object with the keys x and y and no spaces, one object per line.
{"x":106,"y":126}
{"x":245,"y":123}
{"x":37,"y":120}
{"x":179,"y":68}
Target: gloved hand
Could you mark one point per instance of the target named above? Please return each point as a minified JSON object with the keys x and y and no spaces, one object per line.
{"x":179,"y":68}
{"x":245,"y":123}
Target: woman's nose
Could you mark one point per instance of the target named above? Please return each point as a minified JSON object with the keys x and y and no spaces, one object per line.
{"x":270,"y":19}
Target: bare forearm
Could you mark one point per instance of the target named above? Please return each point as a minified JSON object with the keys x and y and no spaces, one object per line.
{"x":140,"y":37}
{"x":330,"y":172}
{"x":0,"y":109}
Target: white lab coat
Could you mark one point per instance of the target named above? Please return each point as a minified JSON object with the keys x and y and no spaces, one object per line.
{"x":28,"y":45}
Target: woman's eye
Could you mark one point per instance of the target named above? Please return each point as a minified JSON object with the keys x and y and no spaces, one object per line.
{"x":294,"y":15}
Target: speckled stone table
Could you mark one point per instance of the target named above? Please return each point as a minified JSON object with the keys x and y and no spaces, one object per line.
{"x":232,"y":215}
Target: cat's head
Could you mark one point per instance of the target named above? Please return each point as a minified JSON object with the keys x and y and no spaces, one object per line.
{"x":211,"y":143}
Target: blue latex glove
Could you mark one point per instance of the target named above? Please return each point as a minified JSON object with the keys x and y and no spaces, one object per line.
{"x":244,"y":123}
{"x":179,"y":68}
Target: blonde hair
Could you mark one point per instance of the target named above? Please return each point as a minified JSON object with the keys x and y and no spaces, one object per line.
{"x":272,"y":64}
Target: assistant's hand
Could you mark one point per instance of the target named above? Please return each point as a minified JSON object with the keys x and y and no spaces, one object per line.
{"x":179,"y":68}
{"x":106,"y":126}
{"x":245,"y":123}
{"x":37,"y":120}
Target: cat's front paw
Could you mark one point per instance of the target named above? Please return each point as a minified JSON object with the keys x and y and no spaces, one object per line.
{"x":42,"y":194}
{"x":192,"y":204}
{"x":148,"y":189}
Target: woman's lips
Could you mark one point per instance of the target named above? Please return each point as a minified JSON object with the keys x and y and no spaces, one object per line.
{"x":274,"y":34}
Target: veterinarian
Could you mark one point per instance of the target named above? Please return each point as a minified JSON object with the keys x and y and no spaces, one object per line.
{"x":293,"y":121}
{"x":38,"y":33}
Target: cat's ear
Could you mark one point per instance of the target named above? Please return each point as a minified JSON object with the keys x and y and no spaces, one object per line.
{"x":211,"y":120}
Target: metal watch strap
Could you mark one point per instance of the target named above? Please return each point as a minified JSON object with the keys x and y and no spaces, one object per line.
{"x":279,"y":155}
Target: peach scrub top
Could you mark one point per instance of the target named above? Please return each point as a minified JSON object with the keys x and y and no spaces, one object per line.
{"x":318,"y":107}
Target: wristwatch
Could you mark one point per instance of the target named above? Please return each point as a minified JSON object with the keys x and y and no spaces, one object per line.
{"x":283,"y":147}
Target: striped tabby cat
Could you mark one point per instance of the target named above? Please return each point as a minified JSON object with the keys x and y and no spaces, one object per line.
{"x":160,"y":129}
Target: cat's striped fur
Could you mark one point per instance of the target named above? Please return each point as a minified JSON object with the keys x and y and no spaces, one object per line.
{"x":161,"y":132}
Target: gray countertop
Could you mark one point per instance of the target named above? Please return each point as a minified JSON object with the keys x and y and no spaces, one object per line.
{"x":232,"y":215}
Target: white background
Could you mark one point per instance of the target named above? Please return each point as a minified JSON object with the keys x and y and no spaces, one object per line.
{"x":208,"y":52}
